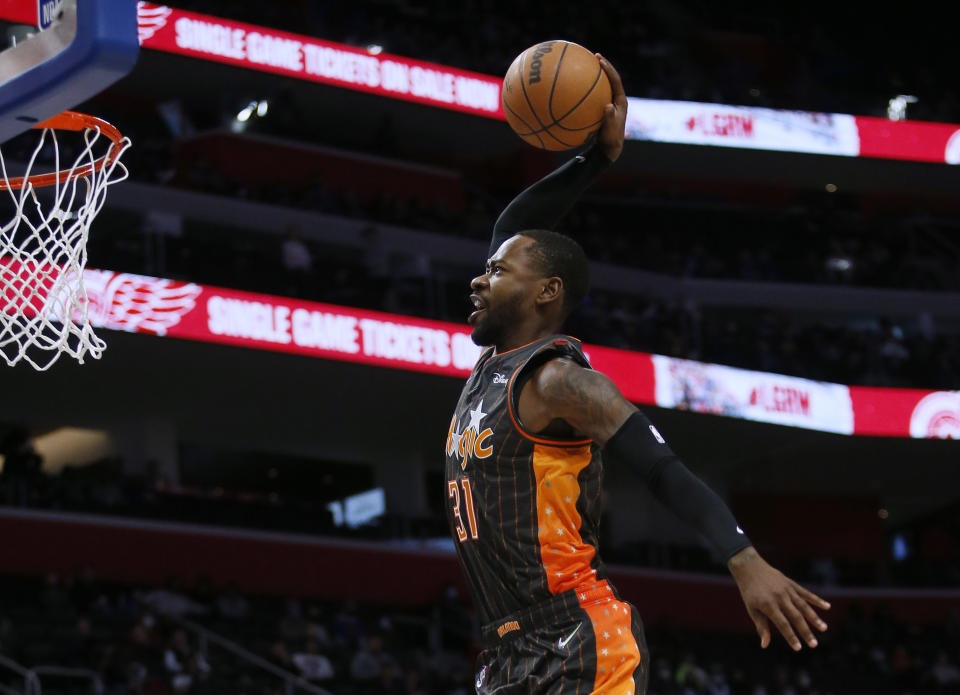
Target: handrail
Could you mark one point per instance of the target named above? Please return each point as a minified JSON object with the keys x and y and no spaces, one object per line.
{"x":31,"y":684}
{"x":290,"y":680}
{"x":67,"y":672}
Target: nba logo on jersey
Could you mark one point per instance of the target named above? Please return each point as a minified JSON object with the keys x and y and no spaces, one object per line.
{"x":47,"y":11}
{"x":482,"y":676}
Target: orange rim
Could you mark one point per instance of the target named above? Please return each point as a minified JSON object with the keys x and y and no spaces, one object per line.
{"x":75,"y":121}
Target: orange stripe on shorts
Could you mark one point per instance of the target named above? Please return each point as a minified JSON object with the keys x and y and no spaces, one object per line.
{"x":617,"y":652}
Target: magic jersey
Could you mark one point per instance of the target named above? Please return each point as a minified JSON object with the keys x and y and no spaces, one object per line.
{"x":524,"y":508}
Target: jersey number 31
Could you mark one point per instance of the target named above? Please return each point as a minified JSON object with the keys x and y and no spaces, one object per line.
{"x":453,"y":492}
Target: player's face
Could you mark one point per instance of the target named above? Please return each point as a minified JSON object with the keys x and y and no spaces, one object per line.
{"x":503,"y":296}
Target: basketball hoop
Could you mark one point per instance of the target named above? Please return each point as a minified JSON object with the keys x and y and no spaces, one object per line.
{"x":43,"y":248}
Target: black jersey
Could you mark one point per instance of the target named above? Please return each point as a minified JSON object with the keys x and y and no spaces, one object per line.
{"x":524,"y":509}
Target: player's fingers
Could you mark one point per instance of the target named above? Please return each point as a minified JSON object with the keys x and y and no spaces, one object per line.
{"x":803,"y":604}
{"x":785,"y":628}
{"x":811,"y":597}
{"x":763,"y":627}
{"x":798,"y":619}
{"x":616,"y":84}
{"x":809,"y":614}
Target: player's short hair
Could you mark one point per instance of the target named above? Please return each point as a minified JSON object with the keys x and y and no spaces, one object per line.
{"x":559,"y":255}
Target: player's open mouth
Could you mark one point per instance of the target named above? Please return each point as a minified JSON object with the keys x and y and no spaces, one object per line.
{"x":478,"y":308}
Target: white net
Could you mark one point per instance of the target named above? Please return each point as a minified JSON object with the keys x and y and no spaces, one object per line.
{"x":43,"y":246}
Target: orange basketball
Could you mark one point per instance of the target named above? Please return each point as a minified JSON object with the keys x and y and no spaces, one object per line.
{"x":554,"y":93}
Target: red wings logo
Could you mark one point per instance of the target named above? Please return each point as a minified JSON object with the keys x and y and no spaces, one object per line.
{"x":937,"y":415}
{"x":151,"y":19}
{"x":126,"y":302}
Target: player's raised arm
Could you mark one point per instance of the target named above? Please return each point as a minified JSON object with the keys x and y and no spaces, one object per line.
{"x":592,"y":404}
{"x":544,"y":204}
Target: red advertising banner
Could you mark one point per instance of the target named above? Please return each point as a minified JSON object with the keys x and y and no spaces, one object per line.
{"x":205,"y":37}
{"x":137,"y":303}
{"x":906,"y":412}
{"x":910,"y":140}
{"x":20,"y":11}
{"x":157,"y":306}
{"x":164,"y":28}
{"x":142,"y":304}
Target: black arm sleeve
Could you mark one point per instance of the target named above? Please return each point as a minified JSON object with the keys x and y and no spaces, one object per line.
{"x":638,"y":445}
{"x":543,"y":205}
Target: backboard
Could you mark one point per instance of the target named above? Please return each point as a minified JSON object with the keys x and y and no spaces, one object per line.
{"x":80,"y":48}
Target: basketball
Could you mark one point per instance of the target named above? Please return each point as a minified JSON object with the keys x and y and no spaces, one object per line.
{"x":554,"y":93}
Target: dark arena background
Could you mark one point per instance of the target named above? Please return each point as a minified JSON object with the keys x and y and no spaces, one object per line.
{"x":245,"y":493}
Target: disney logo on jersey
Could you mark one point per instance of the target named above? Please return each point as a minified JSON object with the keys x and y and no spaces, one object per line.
{"x":499,"y":378}
{"x":471,"y":441}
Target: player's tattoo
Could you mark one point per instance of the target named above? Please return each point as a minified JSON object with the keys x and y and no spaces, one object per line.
{"x":588,"y":400}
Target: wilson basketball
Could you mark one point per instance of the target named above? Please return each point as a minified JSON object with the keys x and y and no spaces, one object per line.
{"x":554,"y":93}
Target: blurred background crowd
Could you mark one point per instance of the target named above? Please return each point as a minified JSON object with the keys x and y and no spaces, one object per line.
{"x":120,"y":640}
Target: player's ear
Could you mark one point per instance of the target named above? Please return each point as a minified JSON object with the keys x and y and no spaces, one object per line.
{"x":550,"y":291}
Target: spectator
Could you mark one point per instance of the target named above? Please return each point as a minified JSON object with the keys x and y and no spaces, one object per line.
{"x":293,"y":626}
{"x":312,"y":664}
{"x":171,"y":601}
{"x":316,"y":627}
{"x":370,"y":660}
{"x":718,"y":684}
{"x":54,"y":598}
{"x":944,"y":673}
{"x":185,"y":666}
{"x":80,"y":648}
{"x":297,"y":263}
{"x":280,"y":656}
{"x":453,"y":624}
{"x":347,"y":627}
{"x":231,"y":604}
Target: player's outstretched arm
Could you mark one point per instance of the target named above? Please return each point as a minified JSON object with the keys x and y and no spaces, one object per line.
{"x":592,"y":404}
{"x":546,"y":202}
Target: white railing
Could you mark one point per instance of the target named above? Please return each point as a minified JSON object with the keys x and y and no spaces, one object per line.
{"x":31,"y":684}
{"x":291,"y":681}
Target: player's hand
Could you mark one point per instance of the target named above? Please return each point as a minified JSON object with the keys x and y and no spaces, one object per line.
{"x":770,"y":596}
{"x":611,"y":134}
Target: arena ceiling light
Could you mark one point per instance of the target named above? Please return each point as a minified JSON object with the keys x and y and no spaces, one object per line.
{"x":246,"y":112}
{"x":260,"y":108}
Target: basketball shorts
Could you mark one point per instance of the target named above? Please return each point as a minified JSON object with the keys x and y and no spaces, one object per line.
{"x":587,"y":643}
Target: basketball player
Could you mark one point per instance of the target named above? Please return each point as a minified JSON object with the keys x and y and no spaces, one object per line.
{"x":523,"y":468}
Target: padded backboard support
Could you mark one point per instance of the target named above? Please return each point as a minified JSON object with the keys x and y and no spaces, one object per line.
{"x":91,"y":45}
